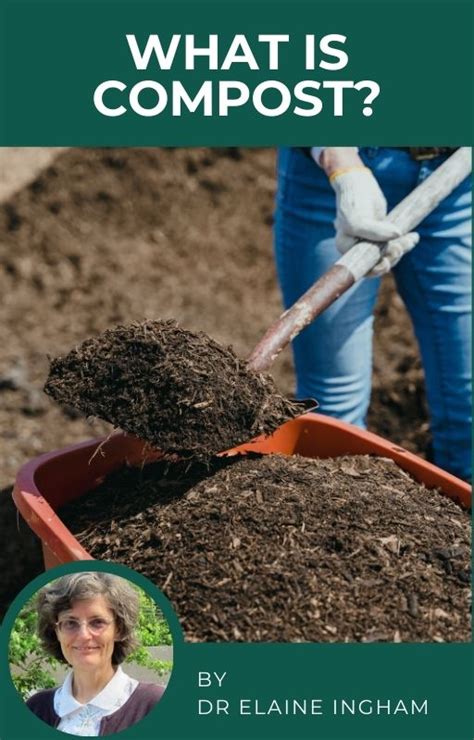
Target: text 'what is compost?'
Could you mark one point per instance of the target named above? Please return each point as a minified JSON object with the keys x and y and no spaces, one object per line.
{"x":218,"y":97}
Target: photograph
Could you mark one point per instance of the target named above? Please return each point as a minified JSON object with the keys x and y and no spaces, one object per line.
{"x":281,"y":477}
{"x":90,"y":653}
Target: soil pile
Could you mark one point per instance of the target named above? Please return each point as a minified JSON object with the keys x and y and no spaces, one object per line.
{"x":288,"y":549}
{"x":178,"y":390}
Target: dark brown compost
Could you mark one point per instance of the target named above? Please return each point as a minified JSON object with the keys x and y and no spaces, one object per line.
{"x":178,"y":390}
{"x":288,"y":549}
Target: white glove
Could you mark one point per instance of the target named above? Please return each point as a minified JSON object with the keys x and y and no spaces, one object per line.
{"x":392,"y":253}
{"x":361,"y":214}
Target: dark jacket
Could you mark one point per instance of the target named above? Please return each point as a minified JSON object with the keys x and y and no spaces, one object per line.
{"x":142,"y":701}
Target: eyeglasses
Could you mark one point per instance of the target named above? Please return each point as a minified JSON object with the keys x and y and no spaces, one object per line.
{"x":72,"y":626}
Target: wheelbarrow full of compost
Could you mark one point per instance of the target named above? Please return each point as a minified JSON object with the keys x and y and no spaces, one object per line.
{"x":49,"y":482}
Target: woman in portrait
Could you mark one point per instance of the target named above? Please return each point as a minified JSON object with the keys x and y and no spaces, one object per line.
{"x":88,"y":621}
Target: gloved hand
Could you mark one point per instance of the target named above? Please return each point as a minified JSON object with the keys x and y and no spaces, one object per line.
{"x":361,"y":214}
{"x":392,"y":253}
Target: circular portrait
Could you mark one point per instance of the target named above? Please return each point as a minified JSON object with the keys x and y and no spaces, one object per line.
{"x":91,"y":653}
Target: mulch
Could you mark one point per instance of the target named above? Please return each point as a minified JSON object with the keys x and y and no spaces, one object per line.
{"x":181,"y":391}
{"x":278,"y":548}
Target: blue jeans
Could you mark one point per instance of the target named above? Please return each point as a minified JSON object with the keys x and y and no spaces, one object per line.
{"x":333,"y":356}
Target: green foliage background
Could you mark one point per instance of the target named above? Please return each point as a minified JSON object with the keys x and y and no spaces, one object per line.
{"x":31,"y":666}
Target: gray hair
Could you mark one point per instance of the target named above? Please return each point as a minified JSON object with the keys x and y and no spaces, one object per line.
{"x":58,"y":596}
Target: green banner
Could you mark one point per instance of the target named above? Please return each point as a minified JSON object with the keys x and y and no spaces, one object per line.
{"x":325,"y":691}
{"x":235,"y":73}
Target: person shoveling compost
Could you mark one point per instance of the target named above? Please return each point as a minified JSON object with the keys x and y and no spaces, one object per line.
{"x":183,"y":392}
{"x":178,"y":390}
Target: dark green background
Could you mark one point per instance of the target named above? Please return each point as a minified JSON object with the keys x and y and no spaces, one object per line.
{"x":54,"y":54}
{"x":440,"y":673}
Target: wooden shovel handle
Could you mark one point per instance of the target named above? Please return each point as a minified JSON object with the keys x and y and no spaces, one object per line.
{"x":359,"y":261}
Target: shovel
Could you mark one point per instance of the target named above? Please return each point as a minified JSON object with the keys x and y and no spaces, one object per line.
{"x":180,"y":403}
{"x":359,"y":261}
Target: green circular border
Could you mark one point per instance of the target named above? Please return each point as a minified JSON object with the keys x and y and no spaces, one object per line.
{"x":10,"y":697}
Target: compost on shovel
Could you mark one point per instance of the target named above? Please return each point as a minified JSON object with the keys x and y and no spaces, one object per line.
{"x":275,"y":548}
{"x":178,"y":390}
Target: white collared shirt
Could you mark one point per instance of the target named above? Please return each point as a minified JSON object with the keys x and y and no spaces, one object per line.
{"x":85,"y":719}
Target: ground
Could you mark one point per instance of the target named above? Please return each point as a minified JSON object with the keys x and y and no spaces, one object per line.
{"x":90,"y":238}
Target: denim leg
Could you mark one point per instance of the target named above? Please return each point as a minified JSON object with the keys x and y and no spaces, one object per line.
{"x":333,"y":356}
{"x":434,"y":281}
